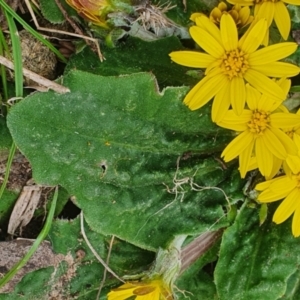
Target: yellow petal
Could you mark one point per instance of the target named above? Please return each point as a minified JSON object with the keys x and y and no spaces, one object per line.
{"x":123,"y":292}
{"x":276,"y":189}
{"x":267,"y":103}
{"x":256,"y":9}
{"x":242,"y":39}
{"x":293,"y":2}
{"x":266,"y":184}
{"x":205,"y":23}
{"x":282,"y":19}
{"x":244,"y":160}
{"x":277,"y":163}
{"x":234,"y":122}
{"x":273,"y":144}
{"x":252,"y":164}
{"x":194,"y":16}
{"x":264,"y":157}
{"x":237,"y":146}
{"x":254,"y":37}
{"x":272,"y":53}
{"x":285,"y":84}
{"x":286,"y":207}
{"x":221,"y":104}
{"x":293,"y":163}
{"x":252,"y":97}
{"x":264,"y":84}
{"x":213,"y":69}
{"x":228,"y":32}
{"x":284,"y":120}
{"x":192,"y":59}
{"x":238,"y":95}
{"x":282,"y":187}
{"x":244,"y":14}
{"x":206,"y":41}
{"x":296,"y":221}
{"x":277,"y":69}
{"x":265,"y":41}
{"x":296,"y":139}
{"x":286,"y":141}
{"x":266,"y":11}
{"x":207,"y":88}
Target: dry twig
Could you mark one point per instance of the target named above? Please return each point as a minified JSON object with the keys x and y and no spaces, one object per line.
{"x":35,"y":77}
{"x":105,"y":271}
{"x":103,"y":263}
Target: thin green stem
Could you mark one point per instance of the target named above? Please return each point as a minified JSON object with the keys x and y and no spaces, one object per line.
{"x":17,"y":54}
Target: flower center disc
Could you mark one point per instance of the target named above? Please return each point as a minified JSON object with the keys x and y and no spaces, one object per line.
{"x":234,"y":63}
{"x":259,"y":122}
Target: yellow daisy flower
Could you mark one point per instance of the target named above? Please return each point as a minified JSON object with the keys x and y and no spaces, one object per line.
{"x":230,"y":63}
{"x":292,"y":163}
{"x":240,"y":15}
{"x":260,"y":133}
{"x":277,"y":163}
{"x":153,"y":290}
{"x":271,"y":10}
{"x":288,"y":189}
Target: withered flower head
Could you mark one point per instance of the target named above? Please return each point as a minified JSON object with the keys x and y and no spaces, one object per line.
{"x":92,"y":10}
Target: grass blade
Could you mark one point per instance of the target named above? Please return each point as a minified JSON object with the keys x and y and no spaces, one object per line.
{"x":43,"y":234}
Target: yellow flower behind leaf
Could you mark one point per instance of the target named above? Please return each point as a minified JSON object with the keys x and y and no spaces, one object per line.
{"x":271,"y":10}
{"x":230,"y":63}
{"x":91,"y":10}
{"x":260,"y":135}
{"x":152,"y":290}
{"x":288,"y":189}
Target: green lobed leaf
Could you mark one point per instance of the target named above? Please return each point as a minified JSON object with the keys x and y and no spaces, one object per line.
{"x":134,"y":56}
{"x":114,"y":143}
{"x":256,"y":262}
